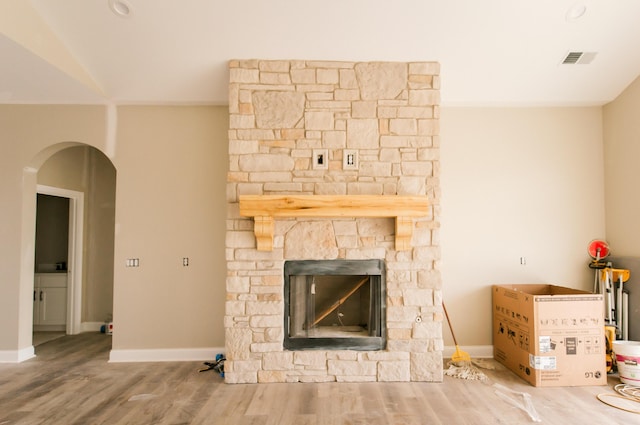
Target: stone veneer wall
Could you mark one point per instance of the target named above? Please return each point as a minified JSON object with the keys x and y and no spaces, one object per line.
{"x":279,"y":112}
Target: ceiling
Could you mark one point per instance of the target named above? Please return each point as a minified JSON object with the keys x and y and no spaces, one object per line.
{"x":492,"y":52}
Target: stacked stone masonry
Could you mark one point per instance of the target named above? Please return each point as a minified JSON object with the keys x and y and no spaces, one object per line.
{"x":280,"y":111}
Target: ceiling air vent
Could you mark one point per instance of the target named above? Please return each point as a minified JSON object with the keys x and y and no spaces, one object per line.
{"x":579,"y":58}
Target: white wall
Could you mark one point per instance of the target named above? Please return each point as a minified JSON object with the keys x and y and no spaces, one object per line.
{"x":516,"y":182}
{"x":171,"y":167}
{"x":170,"y":203}
{"x":622,"y":159}
{"x":622,"y":165}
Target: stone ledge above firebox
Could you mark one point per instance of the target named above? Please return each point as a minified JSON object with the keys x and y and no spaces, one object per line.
{"x":263,"y":209}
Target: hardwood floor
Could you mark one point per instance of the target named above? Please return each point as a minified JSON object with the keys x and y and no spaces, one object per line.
{"x":71,"y":382}
{"x":42,"y":337}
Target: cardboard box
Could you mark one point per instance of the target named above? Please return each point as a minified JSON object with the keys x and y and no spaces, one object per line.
{"x":550,"y":336}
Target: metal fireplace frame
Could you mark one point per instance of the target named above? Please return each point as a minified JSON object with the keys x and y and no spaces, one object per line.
{"x":375,"y":269}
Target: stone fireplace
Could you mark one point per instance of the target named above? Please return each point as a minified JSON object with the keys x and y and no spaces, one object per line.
{"x":329,"y":140}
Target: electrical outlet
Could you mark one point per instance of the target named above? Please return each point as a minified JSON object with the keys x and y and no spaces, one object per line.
{"x":320,"y":159}
{"x":132,"y":262}
{"x":185,"y":261}
{"x":350,"y":159}
{"x":523,"y":261}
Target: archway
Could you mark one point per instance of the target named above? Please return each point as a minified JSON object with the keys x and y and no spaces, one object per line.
{"x":87,"y":177}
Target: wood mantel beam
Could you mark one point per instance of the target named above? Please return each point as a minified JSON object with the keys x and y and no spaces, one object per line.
{"x":264,"y":208}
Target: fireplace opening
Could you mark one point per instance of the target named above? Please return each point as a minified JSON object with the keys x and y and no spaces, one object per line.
{"x":335,"y":305}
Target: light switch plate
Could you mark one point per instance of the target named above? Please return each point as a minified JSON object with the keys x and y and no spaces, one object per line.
{"x":350,"y":159}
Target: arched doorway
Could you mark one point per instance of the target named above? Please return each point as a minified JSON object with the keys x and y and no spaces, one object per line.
{"x":87,"y":178}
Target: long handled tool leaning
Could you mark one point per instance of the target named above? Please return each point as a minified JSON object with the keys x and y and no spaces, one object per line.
{"x":460,"y":365}
{"x":458,"y":356}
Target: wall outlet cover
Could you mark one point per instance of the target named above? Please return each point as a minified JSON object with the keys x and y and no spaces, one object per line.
{"x":320,"y":159}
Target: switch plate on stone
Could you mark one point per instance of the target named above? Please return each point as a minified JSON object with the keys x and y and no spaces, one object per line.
{"x":350,"y":159}
{"x":320,"y":159}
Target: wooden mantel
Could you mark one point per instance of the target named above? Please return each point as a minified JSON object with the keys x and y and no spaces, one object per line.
{"x":264,"y":208}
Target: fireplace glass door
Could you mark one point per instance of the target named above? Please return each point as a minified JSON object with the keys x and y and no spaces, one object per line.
{"x":335,"y":304}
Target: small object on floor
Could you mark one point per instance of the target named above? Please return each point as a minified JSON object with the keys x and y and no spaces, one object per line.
{"x":218,"y":365}
{"x":526,"y":404}
{"x":465,"y":371}
{"x":627,"y":398}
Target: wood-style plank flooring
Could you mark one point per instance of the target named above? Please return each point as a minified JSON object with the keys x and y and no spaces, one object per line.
{"x":71,"y":382}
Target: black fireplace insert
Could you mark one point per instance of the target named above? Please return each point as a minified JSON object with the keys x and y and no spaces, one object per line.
{"x":335,"y":305}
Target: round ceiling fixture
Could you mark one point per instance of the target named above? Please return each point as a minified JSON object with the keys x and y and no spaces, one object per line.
{"x":120,"y":8}
{"x":576,"y":12}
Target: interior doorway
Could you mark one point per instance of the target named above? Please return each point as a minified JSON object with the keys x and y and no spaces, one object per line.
{"x":68,"y":268}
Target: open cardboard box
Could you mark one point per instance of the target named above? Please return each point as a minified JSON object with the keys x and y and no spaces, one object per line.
{"x":550,"y":335}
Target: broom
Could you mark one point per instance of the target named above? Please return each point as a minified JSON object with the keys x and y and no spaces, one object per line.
{"x":460,"y":365}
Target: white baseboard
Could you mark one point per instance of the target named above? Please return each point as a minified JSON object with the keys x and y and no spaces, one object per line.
{"x":49,"y":328}
{"x":17,"y":356}
{"x":475,"y":351}
{"x":165,"y":355}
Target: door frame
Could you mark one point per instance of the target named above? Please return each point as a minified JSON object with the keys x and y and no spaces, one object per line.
{"x":74,"y":261}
